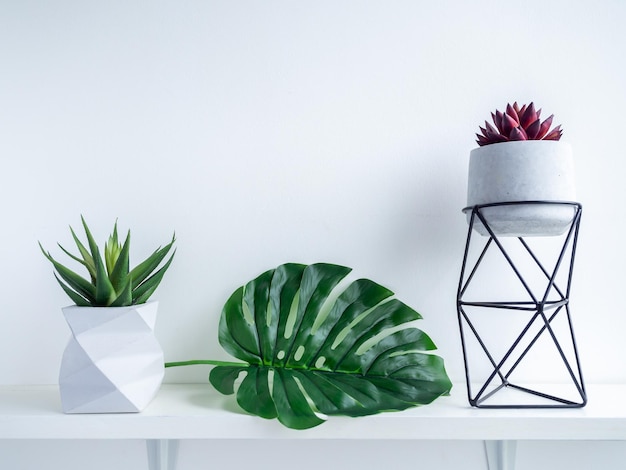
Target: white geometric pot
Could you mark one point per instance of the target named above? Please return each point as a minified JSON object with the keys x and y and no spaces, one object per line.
{"x":529,"y":170}
{"x":113,"y":362}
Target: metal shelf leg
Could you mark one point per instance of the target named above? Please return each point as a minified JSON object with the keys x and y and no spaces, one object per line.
{"x":162,"y":454}
{"x":500,"y":454}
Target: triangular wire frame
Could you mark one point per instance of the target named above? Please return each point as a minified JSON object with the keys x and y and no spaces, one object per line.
{"x":545,"y":307}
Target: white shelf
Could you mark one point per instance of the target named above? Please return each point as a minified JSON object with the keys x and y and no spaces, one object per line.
{"x":197,"y":411}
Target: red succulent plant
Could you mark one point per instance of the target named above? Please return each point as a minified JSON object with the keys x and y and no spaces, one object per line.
{"x":518,"y":124}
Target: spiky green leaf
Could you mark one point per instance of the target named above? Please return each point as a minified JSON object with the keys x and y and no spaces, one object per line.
{"x":87,"y":258}
{"x":76,"y":282}
{"x":125,"y":296}
{"x":119,"y":271}
{"x":105,"y":293}
{"x":143,"y":292}
{"x":112,"y":250}
{"x":74,"y":257}
{"x":141,"y":272}
{"x":76,"y":298}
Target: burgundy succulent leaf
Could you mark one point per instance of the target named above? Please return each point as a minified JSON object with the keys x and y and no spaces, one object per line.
{"x":528,"y":116}
{"x":517,"y":133}
{"x":481,"y":139}
{"x":555,"y":134}
{"x":489,"y":128}
{"x":533,"y":129}
{"x":545,"y":127}
{"x":497,"y":120}
{"x":518,"y":123}
{"x":511,"y":111}
{"x":508,"y":124}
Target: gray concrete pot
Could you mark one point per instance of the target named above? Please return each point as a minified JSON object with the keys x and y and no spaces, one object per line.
{"x":531,"y":170}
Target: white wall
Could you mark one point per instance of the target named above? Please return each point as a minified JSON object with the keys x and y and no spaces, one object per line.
{"x":278,"y":131}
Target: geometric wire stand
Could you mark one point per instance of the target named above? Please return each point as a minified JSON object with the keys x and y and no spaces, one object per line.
{"x":532,"y":329}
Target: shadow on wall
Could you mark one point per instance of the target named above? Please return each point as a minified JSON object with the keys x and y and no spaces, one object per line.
{"x":426,"y":226}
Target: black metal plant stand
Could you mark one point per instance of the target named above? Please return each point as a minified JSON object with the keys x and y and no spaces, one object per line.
{"x":541,"y":311}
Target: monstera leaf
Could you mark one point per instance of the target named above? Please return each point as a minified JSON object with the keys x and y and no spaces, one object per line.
{"x":310,"y":351}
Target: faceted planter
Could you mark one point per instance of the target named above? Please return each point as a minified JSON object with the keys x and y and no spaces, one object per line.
{"x":113,"y":362}
{"x":531,"y":170}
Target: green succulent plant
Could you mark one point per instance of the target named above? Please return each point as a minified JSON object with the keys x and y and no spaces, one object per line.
{"x":111,"y":282}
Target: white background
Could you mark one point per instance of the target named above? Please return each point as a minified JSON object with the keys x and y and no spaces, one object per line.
{"x":283,"y":131}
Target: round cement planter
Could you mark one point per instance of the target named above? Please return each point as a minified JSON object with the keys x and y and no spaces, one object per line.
{"x":531,"y":170}
{"x":113,"y":362}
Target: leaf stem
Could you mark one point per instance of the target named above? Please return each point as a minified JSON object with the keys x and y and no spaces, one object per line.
{"x":205,"y":362}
